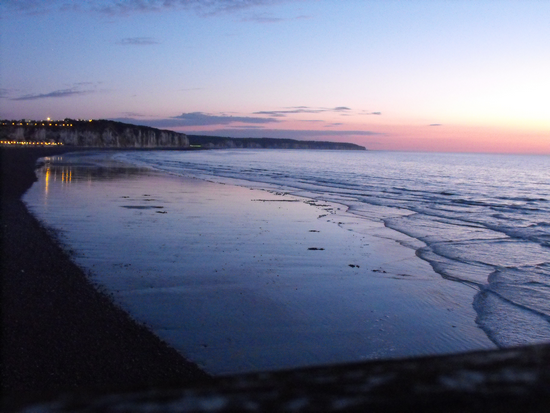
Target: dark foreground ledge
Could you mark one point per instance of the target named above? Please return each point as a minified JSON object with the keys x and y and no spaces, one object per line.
{"x":66,"y":347}
{"x":514,"y":380}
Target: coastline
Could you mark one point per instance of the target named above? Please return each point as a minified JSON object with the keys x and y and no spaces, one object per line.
{"x":243,"y":280}
{"x":501,"y":380}
{"x":60,"y":334}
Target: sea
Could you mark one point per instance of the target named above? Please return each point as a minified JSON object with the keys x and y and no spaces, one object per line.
{"x":481,"y":219}
{"x":478,"y":223}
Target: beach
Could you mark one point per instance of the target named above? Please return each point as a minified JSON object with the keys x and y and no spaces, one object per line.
{"x":59,"y":334}
{"x":242,"y":280}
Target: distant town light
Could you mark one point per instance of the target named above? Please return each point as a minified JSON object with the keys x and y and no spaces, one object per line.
{"x":29,"y":143}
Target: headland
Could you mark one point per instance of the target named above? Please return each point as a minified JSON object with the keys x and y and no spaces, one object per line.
{"x":104,"y":133}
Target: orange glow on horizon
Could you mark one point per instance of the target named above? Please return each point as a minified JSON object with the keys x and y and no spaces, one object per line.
{"x":455,"y":138}
{"x":409,"y":136}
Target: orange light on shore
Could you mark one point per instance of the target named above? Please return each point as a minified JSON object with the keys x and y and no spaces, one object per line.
{"x":49,"y":122}
{"x":30,"y":143}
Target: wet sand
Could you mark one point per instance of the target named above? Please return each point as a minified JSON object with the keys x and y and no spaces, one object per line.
{"x":241,"y":280}
{"x":59,"y":334}
{"x":505,"y":380}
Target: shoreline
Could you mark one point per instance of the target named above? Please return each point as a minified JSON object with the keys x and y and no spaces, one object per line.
{"x":248,"y":280}
{"x":505,"y":380}
{"x":59,"y":333}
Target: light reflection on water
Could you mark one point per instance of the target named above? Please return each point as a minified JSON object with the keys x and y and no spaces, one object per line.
{"x":81,"y":168}
{"x":47,"y":177}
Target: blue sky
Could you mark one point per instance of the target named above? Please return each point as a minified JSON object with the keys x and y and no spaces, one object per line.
{"x":411,"y":75}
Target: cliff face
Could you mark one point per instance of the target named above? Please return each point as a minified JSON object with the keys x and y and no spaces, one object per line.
{"x":129,"y":137}
{"x":112,"y":134}
{"x":98,"y":134}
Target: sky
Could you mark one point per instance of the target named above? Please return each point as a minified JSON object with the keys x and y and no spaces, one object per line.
{"x":432,"y":75}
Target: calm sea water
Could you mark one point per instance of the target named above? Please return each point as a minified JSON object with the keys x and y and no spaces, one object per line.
{"x":482,"y":220}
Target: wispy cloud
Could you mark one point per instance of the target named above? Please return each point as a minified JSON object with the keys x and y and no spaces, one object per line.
{"x":434,"y":124}
{"x":132,"y":115}
{"x":4,"y":93}
{"x":211,"y":7}
{"x":31,"y":6}
{"x":262,"y":18}
{"x":71,"y":90}
{"x":247,"y":127}
{"x":78,"y":84}
{"x":285,"y":133}
{"x":202,"y":119}
{"x":199,"y":119}
{"x":202,"y":7}
{"x":301,"y":109}
{"x":270,"y":18}
{"x":127,"y":7}
{"x":64,"y":93}
{"x":138,"y":41}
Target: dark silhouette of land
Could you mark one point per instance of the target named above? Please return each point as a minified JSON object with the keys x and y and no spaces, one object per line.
{"x":268,"y":143}
{"x":104,"y":133}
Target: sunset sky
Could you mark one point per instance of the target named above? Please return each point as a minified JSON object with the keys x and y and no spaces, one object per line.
{"x":450,"y":75}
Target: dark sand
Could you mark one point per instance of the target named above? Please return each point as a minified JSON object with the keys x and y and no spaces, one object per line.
{"x":59,"y":334}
